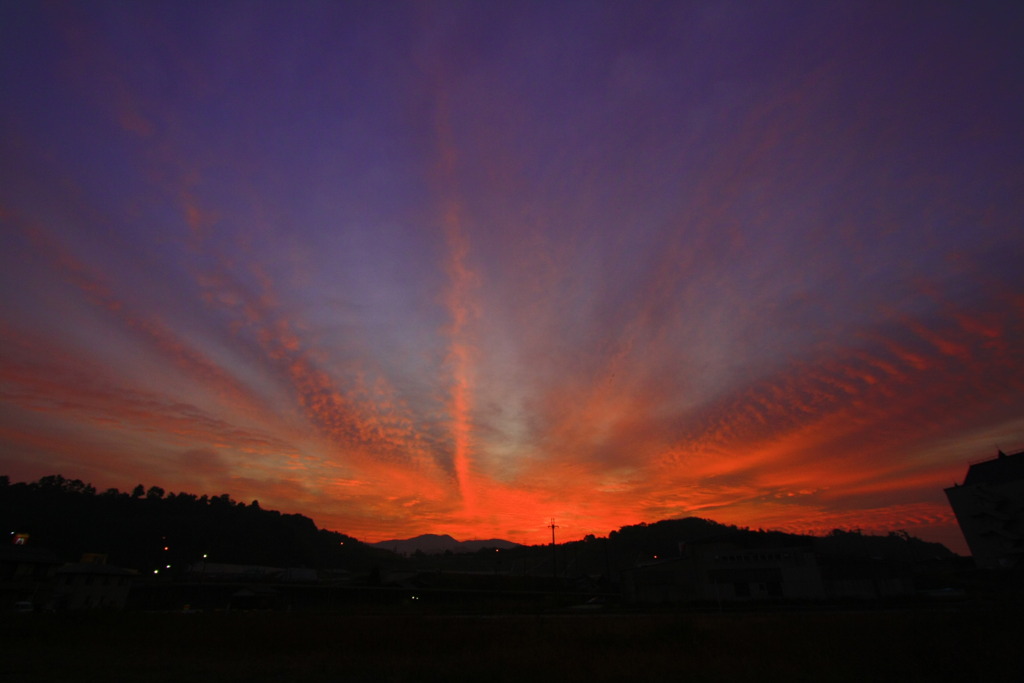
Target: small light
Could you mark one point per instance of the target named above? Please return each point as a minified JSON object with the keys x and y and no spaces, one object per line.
{"x":166,"y":548}
{"x":168,"y":566}
{"x":156,"y":571}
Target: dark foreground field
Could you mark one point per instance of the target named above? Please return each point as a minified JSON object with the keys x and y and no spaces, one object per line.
{"x":972,"y":645}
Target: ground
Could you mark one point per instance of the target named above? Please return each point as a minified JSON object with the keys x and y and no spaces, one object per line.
{"x":904,"y":645}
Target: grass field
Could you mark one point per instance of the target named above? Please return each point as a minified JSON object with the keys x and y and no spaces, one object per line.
{"x":930,"y":645}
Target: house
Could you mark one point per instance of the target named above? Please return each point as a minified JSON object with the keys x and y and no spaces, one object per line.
{"x":222,"y":571}
{"x":26,"y":576}
{"x":989,"y":507}
{"x":727,"y":571}
{"x":92,"y":584}
{"x":754,"y":569}
{"x":866,"y":578}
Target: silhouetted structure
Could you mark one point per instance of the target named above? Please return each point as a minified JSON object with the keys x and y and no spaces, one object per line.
{"x":26,"y":576}
{"x":750,"y":568}
{"x":221,"y":571}
{"x":725,"y":570}
{"x":989,"y":507}
{"x":92,"y":584}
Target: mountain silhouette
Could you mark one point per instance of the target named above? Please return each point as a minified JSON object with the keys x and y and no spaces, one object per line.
{"x":149,"y":528}
{"x":432,"y":544}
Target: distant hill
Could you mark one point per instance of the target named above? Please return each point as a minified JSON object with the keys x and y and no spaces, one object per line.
{"x":149,"y":528}
{"x":663,"y":538}
{"x":433,"y":544}
{"x":604,"y":559}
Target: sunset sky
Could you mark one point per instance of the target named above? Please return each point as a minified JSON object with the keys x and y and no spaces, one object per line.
{"x":464,"y":267}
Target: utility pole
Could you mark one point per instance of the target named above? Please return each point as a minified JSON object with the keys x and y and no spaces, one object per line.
{"x":554,"y":552}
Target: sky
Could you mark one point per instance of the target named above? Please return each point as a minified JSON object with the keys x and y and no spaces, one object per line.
{"x":468,"y":267}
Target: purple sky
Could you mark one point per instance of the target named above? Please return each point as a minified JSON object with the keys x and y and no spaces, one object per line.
{"x":464,"y":267}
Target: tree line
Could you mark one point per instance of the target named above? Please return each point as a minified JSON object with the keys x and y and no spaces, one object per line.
{"x":147,"y":529}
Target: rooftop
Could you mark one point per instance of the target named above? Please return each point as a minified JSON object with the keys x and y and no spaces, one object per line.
{"x":1000,"y":469}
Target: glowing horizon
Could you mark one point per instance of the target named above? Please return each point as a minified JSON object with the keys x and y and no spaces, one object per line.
{"x":461,"y":269}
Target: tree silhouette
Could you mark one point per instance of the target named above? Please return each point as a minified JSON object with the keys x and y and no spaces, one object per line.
{"x":150,"y":529}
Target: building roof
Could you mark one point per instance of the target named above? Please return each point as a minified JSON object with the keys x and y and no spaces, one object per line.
{"x":23,"y":554}
{"x":999,"y":470}
{"x":96,"y":569}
